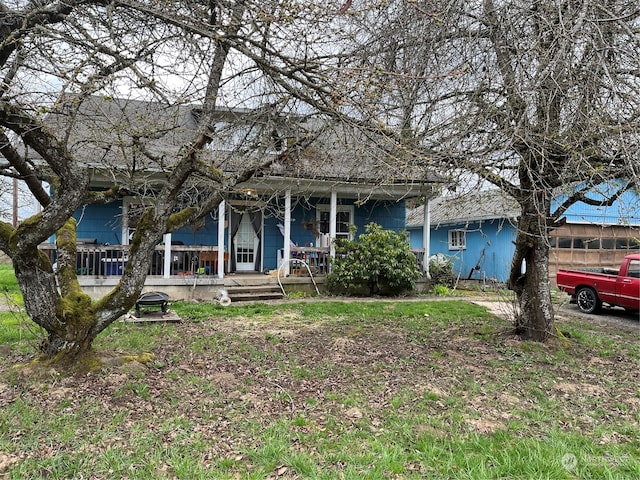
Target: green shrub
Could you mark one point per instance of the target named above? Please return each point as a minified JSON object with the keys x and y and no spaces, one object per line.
{"x":441,"y":290}
{"x":379,"y":262}
{"x":441,"y":270}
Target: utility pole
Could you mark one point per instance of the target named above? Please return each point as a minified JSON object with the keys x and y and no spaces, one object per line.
{"x":15,"y":202}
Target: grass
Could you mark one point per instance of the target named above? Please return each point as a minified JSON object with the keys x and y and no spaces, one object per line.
{"x":326,"y":390}
{"x":9,"y":285}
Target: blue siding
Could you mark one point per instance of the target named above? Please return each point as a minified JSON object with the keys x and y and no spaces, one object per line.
{"x":489,"y":246}
{"x":102,"y":222}
{"x":625,"y":211}
{"x":415,"y":237}
{"x":207,"y":234}
{"x":273,"y":241}
{"x":390,"y":215}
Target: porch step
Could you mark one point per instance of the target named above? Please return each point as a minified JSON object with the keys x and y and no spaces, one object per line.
{"x":252,"y":293}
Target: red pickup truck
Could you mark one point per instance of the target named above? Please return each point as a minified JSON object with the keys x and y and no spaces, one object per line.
{"x":590,"y":289}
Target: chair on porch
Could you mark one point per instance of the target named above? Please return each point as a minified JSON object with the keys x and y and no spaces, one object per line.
{"x":208,"y":264}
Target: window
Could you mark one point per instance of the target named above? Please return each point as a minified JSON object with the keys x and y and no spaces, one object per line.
{"x":457,"y":239}
{"x":634,"y":269}
{"x":564,"y":242}
{"x":344,"y":220}
{"x":622,"y":243}
{"x":593,"y":244}
{"x":607,"y":243}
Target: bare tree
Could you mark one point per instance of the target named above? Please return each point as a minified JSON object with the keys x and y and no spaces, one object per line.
{"x":57,"y":58}
{"x":536,"y":98}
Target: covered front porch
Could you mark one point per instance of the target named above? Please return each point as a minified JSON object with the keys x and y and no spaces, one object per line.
{"x":190,"y":272}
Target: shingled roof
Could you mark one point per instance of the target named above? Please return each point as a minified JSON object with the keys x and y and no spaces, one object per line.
{"x":468,"y":208}
{"x":126,"y":135}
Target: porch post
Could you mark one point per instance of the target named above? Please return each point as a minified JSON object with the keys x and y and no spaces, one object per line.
{"x":166,"y":269}
{"x":333,"y":215}
{"x":287,"y":232}
{"x":221,"y":220}
{"x":426,"y":236}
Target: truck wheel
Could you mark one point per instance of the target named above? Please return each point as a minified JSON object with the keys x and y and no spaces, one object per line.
{"x":587,"y":300}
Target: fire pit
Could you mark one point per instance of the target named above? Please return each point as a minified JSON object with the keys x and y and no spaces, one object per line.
{"x":152,"y":299}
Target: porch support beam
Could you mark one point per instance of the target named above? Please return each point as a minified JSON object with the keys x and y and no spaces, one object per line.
{"x":166,"y":269}
{"x":333,"y":216}
{"x":221,"y":220}
{"x":426,"y":237}
{"x":287,"y":231}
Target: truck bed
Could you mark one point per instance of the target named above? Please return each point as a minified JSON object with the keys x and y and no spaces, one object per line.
{"x":600,"y":270}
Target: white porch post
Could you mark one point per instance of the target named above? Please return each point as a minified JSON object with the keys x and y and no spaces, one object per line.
{"x":167,"y":256}
{"x":426,"y":237}
{"x":333,"y":215}
{"x":221,"y":219}
{"x":287,"y":232}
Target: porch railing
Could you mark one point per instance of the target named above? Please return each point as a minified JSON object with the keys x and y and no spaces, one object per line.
{"x":317,"y":259}
{"x":419,"y":253}
{"x":108,"y":260}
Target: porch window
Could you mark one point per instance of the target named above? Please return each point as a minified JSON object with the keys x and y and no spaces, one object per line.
{"x":344,"y":220}
{"x":457,"y":239}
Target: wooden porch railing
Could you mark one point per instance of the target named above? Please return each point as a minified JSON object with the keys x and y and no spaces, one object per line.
{"x":107,"y":260}
{"x":317,"y":258}
{"x":419,"y":253}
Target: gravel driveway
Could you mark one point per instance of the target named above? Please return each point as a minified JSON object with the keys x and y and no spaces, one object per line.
{"x":607,"y":315}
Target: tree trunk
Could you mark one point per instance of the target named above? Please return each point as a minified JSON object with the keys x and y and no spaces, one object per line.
{"x":535,"y":320}
{"x":68,"y":320}
{"x":56,"y":302}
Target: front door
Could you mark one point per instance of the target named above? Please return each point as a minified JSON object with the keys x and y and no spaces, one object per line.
{"x":246,"y":244}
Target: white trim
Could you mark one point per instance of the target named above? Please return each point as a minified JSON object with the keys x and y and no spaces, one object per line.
{"x":333,"y":216}
{"x":460,"y":240}
{"x":221,"y":221}
{"x":287,"y":231}
{"x":426,"y":237}
{"x":167,"y":256}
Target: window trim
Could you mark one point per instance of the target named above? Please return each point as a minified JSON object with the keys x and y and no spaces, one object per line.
{"x":323,"y":207}
{"x":460,"y":235}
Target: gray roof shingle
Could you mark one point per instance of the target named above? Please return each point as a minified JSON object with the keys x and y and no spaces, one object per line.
{"x":111,"y":133}
{"x":471,"y":207}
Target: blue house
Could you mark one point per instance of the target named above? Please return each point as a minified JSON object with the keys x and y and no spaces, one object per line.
{"x":476,"y":230}
{"x":288,"y":212}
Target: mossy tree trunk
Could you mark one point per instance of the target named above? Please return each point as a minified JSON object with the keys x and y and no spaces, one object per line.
{"x":56,"y":302}
{"x":529,"y":276}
